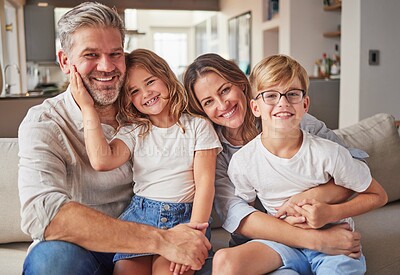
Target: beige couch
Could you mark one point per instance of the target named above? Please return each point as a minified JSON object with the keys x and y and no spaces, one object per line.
{"x":380,"y":229}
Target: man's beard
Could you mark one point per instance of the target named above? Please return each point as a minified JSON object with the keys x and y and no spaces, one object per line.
{"x":103,"y":95}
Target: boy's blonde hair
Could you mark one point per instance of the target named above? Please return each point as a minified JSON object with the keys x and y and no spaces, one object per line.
{"x":277,"y":70}
{"x":158,"y":67}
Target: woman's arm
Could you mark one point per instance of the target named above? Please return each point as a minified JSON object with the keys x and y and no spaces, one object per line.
{"x":102,"y":155}
{"x":318,"y":214}
{"x":204,"y":176}
{"x":338,"y":239}
{"x":329,"y":193}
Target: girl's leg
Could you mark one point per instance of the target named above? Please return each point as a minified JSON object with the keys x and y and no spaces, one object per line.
{"x":161,"y":267}
{"x":248,"y":258}
{"x":138,"y":265}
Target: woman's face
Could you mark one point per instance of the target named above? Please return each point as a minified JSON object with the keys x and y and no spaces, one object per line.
{"x":223,"y":102}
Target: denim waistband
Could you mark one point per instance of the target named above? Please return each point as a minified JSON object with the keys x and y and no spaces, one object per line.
{"x":171,"y":207}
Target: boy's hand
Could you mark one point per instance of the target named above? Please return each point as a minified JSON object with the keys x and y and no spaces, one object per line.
{"x":316,"y":213}
{"x":286,"y":209}
{"x":78,"y":90}
{"x":178,"y":268}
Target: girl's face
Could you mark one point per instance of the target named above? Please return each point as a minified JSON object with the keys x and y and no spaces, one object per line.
{"x":283,"y":116}
{"x":148,"y":93}
{"x":223,"y":102}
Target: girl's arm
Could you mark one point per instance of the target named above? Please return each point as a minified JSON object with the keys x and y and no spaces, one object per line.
{"x":319,"y":214}
{"x":204,"y":176}
{"x":102,"y":156}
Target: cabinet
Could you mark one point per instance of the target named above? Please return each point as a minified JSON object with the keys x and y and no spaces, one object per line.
{"x":40,"y":33}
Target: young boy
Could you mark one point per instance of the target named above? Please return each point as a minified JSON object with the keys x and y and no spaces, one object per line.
{"x":284,"y":161}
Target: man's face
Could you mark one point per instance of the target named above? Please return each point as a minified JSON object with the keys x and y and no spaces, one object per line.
{"x":98,"y":56}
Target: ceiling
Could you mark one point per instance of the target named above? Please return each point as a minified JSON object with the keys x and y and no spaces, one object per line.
{"x":207,"y":5}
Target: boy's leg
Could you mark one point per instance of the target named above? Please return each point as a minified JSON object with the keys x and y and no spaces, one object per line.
{"x":248,"y":258}
{"x":138,"y":265}
{"x":58,"y":257}
{"x":336,"y":264}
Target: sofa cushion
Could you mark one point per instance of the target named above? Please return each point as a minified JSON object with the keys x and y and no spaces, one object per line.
{"x":378,"y":136}
{"x":10,"y":218}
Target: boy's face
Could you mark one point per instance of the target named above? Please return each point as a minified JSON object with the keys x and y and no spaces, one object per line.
{"x":284,"y":115}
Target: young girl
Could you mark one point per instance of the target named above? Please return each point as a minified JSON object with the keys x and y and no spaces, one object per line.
{"x":173,"y":154}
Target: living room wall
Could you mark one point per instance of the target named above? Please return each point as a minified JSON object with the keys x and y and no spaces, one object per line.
{"x":369,"y":89}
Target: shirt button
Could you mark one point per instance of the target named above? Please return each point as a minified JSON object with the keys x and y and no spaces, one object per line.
{"x":166,"y":207}
{"x":164,"y":219}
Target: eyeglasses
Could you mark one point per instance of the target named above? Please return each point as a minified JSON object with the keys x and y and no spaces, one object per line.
{"x":272,"y":97}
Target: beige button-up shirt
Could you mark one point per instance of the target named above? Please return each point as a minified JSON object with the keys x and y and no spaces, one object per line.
{"x":54,"y":167}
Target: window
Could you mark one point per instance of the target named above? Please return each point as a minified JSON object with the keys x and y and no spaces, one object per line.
{"x":172,"y":45}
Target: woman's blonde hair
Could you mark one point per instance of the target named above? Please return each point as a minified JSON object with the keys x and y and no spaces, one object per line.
{"x":230,"y":72}
{"x":158,"y":67}
{"x":276,"y":70}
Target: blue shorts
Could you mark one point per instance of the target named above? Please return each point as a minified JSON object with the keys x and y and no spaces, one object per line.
{"x":306,"y":261}
{"x":163,"y":215}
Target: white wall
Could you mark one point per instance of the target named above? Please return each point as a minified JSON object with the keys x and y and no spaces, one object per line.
{"x":366,"y":90}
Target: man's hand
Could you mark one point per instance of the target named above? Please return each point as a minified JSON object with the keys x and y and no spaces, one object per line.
{"x":339,"y":239}
{"x":186,"y":244}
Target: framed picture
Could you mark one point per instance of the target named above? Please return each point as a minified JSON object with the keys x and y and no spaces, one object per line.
{"x":239,"y":35}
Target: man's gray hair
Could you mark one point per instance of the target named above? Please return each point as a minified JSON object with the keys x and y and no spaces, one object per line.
{"x":88,"y":14}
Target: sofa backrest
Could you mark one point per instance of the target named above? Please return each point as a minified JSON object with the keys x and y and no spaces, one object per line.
{"x":10,"y":218}
{"x":379,"y":137}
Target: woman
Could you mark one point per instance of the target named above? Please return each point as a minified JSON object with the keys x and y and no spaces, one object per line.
{"x":219,"y":90}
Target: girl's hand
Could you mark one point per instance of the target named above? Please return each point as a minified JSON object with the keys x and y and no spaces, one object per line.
{"x":78,"y":90}
{"x":178,"y":268}
{"x":316,"y":213}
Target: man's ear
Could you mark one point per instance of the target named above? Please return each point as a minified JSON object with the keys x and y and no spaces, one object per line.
{"x":306,"y":103}
{"x":63,"y":60}
{"x":254,"y":108}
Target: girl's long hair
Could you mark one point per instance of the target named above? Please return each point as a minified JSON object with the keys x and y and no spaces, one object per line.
{"x":158,"y":67}
{"x":229,"y":71}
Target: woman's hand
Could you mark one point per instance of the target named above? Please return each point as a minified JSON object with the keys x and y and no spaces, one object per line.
{"x":78,"y":90}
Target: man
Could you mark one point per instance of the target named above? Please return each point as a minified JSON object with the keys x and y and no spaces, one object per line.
{"x":69,"y":209}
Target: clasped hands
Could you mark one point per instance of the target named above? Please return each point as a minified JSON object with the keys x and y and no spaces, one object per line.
{"x":307,"y":213}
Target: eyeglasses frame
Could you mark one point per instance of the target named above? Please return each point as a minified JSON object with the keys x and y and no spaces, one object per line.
{"x":280,"y":96}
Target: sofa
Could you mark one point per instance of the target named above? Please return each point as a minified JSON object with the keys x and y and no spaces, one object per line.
{"x":380,"y":229}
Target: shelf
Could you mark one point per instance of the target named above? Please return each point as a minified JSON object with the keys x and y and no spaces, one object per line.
{"x":332,"y":34}
{"x":334,"y":7}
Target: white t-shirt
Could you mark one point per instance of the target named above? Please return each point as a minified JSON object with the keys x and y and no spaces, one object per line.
{"x":257,"y":172}
{"x":163,"y":159}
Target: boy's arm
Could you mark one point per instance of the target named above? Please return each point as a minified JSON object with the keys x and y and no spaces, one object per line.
{"x":319,"y":214}
{"x":329,"y":193}
{"x":102,"y":155}
{"x":204,"y":176}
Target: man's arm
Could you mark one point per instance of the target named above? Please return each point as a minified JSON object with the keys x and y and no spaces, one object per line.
{"x":95,"y":231}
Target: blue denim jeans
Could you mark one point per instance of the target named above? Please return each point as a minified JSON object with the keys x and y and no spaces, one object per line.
{"x":63,"y":258}
{"x":158,"y":214}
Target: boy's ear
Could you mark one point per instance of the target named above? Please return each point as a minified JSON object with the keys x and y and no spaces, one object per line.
{"x":254,"y":108}
{"x":63,"y":61}
{"x":306,"y":103}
